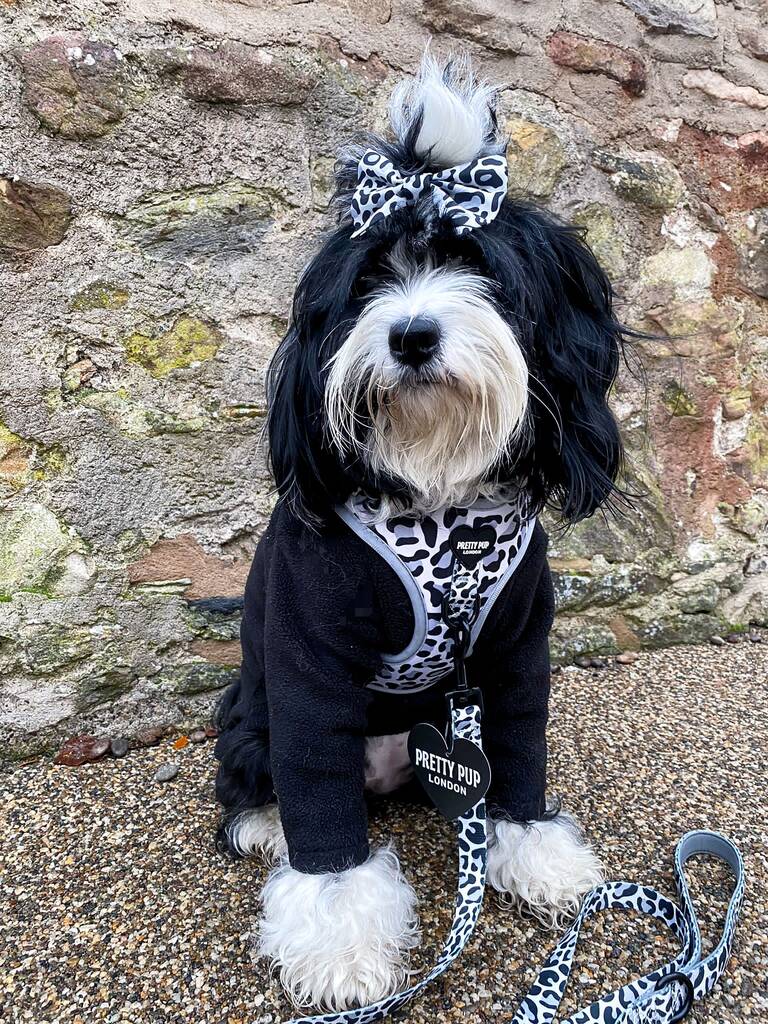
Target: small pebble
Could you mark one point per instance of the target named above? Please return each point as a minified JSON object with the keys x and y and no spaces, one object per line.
{"x":118,"y":746}
{"x":717,"y":641}
{"x":597,"y":663}
{"x":734,"y":638}
{"x":166,"y":772}
{"x":626,"y":658}
{"x":198,"y":736}
{"x":211,"y":731}
{"x":755,"y":638}
{"x":82,"y":750}
{"x":150,"y":737}
{"x":583,"y":662}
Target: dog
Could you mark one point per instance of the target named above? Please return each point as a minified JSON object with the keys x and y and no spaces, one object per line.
{"x":448,"y":365}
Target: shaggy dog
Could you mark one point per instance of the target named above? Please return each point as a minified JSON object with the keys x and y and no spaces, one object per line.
{"x":448,"y":364}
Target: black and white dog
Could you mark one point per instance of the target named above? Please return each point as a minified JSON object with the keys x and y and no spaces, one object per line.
{"x":448,"y":365}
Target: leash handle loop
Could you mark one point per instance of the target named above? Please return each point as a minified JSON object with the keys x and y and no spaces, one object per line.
{"x":665,"y":995}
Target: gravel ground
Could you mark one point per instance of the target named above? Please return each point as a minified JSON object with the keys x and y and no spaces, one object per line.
{"x":114,"y":906}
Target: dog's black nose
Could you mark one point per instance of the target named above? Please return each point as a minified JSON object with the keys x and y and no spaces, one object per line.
{"x":414,"y":341}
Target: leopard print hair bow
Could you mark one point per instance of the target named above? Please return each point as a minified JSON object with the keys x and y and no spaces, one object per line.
{"x":470,"y":195}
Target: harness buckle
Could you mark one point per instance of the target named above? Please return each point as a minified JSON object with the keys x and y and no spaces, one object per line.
{"x":463,"y":698}
{"x":687,"y":984}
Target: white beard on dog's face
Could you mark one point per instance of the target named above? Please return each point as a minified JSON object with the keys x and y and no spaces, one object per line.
{"x":441,"y":428}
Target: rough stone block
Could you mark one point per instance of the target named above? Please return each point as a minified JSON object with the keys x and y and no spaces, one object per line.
{"x":182,"y":558}
{"x":693,"y":17}
{"x":713,"y":84}
{"x":215,"y":223}
{"x":594,"y":55}
{"x":234,"y":72}
{"x":77,"y":87}
{"x":536,"y":157}
{"x":644,"y":178}
{"x":32,"y":216}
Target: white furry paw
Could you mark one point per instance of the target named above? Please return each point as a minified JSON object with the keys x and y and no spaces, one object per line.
{"x":258,"y":831}
{"x":342,"y":939}
{"x":544,"y":867}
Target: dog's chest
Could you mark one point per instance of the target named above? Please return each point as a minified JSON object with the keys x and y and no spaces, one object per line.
{"x":420,"y":552}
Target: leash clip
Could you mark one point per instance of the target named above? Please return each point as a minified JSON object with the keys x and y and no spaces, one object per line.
{"x":463,"y":698}
{"x":459,"y":628}
{"x":687,"y":984}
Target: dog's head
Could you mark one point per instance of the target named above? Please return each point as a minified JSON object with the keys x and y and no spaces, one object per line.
{"x":447,"y":341}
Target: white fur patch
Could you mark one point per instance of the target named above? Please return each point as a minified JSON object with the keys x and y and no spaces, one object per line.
{"x":339,"y":939}
{"x":259,"y":831}
{"x":387,"y":764}
{"x":545,"y":867}
{"x":455,"y":110}
{"x":440,"y":432}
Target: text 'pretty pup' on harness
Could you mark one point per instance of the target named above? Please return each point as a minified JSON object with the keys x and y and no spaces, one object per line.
{"x":445,"y":376}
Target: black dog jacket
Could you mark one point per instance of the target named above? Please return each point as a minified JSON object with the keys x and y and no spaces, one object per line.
{"x":342,"y":639}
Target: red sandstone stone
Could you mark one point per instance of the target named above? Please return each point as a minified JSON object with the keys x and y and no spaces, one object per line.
{"x":81,"y":750}
{"x":181,"y":558}
{"x":594,"y":55}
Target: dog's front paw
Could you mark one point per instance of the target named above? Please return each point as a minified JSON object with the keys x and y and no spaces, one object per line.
{"x":544,"y":867}
{"x":257,"y":831}
{"x":339,"y":940}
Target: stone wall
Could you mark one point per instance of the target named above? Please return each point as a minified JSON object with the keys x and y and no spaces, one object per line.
{"x":164,"y":170}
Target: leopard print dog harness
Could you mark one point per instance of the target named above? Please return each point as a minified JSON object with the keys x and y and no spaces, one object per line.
{"x":419,"y":551}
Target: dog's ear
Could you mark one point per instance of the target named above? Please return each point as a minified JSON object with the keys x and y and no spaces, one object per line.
{"x":308,"y":475}
{"x":576,"y":355}
{"x":561,"y":303}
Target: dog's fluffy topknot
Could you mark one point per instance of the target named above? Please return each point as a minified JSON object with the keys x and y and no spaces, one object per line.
{"x":441,"y":118}
{"x":451,"y":112}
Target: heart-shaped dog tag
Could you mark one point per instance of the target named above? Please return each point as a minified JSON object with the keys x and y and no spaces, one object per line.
{"x":454,"y":780}
{"x":470,"y":545}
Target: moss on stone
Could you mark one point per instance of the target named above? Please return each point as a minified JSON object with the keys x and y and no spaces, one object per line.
{"x":32,"y":543}
{"x":55,"y":648}
{"x":52,"y":459}
{"x":100,"y":295}
{"x":572,"y":637}
{"x":678,"y":401}
{"x":197,"y":677}
{"x":756,"y":446}
{"x":15,"y":455}
{"x":102,"y":687}
{"x":603,"y":237}
{"x":23,"y":461}
{"x":187,"y":342}
{"x":136,"y":419}
{"x":536,"y":158}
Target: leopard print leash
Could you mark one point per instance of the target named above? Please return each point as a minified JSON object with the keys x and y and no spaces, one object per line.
{"x":664,"y":996}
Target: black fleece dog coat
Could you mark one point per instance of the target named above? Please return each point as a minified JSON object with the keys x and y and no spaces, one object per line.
{"x":343,"y":638}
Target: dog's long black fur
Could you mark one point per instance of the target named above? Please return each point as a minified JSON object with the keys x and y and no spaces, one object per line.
{"x":552,"y":291}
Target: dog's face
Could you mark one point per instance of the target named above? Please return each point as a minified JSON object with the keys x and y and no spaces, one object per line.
{"x":430,"y":366}
{"x":430,"y":386}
